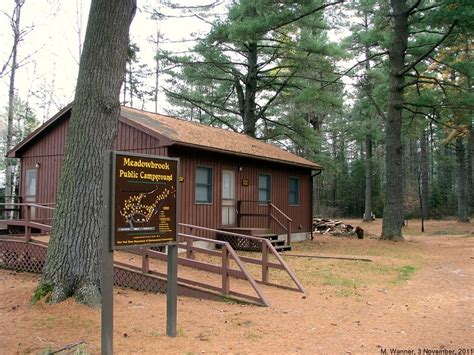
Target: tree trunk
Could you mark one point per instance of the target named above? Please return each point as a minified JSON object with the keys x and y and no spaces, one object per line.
{"x":470,"y":159}
{"x":368,"y":139}
{"x":249,"y":117}
{"x":393,"y":209}
{"x":368,"y":179}
{"x":463,"y":214}
{"x":424,"y":172}
{"x":315,"y":122}
{"x":9,"y":166}
{"x":73,"y":263}
{"x":157,"y":69}
{"x":470,"y":155}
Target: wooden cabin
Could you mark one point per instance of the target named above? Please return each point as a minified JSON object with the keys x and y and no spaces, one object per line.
{"x":227,"y":179}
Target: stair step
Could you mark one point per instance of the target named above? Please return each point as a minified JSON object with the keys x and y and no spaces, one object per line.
{"x":280,"y":248}
{"x":270,"y":236}
{"x":277,"y":242}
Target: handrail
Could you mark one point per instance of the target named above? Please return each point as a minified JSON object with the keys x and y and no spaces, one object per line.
{"x":225,"y":270}
{"x":271,"y":217}
{"x":43,"y":205}
{"x":288,"y":221}
{"x":281,"y":212}
{"x":267,"y":248}
{"x":28,"y":222}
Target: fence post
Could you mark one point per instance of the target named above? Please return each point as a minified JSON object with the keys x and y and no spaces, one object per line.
{"x":145,"y":261}
{"x":239,"y":205}
{"x":225,"y":266}
{"x":288,"y":231}
{"x":269,"y":216}
{"x":189,"y":252}
{"x":27,"y":223}
{"x":264,"y":262}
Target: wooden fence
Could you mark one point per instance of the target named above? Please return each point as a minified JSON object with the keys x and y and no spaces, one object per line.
{"x":223,"y":260}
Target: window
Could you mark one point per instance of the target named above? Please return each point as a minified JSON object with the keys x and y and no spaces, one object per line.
{"x":293,"y":191}
{"x":30,"y":188}
{"x":203,"y":185}
{"x":264,"y":193}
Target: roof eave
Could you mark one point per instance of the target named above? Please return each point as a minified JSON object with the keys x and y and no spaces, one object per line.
{"x":165,"y":141}
{"x":258,"y":157}
{"x":12,"y":153}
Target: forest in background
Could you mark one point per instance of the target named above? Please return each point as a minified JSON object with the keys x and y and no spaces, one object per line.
{"x":277,"y":71}
{"x":314,"y":78}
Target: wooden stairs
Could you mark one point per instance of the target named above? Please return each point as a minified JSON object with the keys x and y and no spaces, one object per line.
{"x":240,"y":243}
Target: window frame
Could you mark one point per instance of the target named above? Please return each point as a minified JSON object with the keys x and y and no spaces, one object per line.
{"x":268,"y":189}
{"x":297,"y":192}
{"x":208,"y":185}
{"x":28,"y":184}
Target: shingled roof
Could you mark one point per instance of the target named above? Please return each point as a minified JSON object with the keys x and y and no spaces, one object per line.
{"x":194,"y":134}
{"x":186,"y":133}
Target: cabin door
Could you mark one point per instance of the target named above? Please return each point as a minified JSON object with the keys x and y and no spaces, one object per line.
{"x":30,"y":189}
{"x":228,"y":198}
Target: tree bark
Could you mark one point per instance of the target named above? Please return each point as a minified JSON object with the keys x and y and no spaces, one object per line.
{"x":368,"y":179}
{"x":461,"y":177}
{"x":368,"y":139}
{"x":393,"y":209}
{"x":424,"y":172}
{"x":470,"y":155}
{"x":470,"y":177}
{"x":9,"y":166}
{"x":249,"y":117}
{"x":315,"y":121}
{"x":73,"y":263}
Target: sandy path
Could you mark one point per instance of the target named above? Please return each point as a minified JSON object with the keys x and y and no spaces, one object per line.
{"x":434,"y":310}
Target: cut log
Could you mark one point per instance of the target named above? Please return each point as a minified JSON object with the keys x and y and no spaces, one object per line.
{"x":333,"y":227}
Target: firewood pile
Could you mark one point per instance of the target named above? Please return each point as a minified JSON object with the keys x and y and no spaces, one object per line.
{"x":333,"y":227}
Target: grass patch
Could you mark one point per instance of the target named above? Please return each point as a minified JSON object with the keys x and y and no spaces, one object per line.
{"x":48,"y":351}
{"x":205,"y":336}
{"x":155,"y":334}
{"x":232,"y":300}
{"x":344,"y":287}
{"x":42,"y":291}
{"x":404,"y":274}
{"x":252,"y":336}
{"x":180,"y":332}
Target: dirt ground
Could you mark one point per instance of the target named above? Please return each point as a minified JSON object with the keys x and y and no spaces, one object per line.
{"x":415,"y":295}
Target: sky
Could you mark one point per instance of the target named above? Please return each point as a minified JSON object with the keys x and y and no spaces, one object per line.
{"x":49,"y":53}
{"x":49,"y":56}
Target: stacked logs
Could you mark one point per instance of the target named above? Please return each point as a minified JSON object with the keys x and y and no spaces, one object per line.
{"x":335,"y":227}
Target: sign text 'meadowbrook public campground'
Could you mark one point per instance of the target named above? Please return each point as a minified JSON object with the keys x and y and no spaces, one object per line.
{"x":144,"y":200}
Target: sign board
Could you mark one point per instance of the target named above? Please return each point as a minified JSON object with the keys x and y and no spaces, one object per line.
{"x":144,"y":200}
{"x":140,"y":209}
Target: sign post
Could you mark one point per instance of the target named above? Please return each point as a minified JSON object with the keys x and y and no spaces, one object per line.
{"x":107,"y":275}
{"x":140,"y":210}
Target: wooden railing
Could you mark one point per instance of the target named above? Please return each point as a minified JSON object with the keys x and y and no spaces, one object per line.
{"x":187,"y":242}
{"x":287,"y":219}
{"x":263,"y":261}
{"x":31,"y":212}
{"x":9,"y":210}
{"x":223,"y":268}
{"x":269,"y":215}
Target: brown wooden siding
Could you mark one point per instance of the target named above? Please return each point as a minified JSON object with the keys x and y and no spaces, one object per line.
{"x":210,"y":214}
{"x":48,"y":151}
{"x":47,"y":154}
